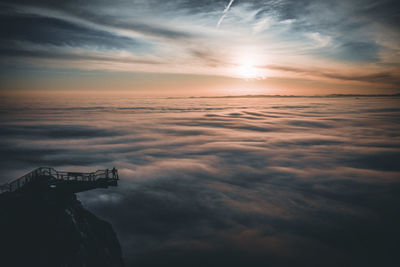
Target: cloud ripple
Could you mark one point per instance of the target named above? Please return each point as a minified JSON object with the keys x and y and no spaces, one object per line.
{"x":216,"y":182}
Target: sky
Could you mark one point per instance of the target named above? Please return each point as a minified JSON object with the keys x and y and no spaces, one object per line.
{"x":266,"y":181}
{"x":246,"y":181}
{"x":199,"y":48}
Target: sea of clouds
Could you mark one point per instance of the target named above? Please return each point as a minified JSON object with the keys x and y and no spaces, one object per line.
{"x":226,"y":181}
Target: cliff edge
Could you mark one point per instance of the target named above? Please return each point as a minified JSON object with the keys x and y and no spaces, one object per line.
{"x":54,"y":230}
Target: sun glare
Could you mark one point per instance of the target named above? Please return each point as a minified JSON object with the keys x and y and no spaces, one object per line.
{"x":247,"y":70}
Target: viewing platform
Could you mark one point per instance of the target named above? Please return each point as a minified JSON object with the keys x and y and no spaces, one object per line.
{"x":45,"y":178}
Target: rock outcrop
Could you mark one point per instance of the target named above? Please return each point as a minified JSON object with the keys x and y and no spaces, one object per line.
{"x":54,"y":230}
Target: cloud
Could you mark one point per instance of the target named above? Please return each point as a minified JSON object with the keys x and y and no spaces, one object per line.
{"x":68,"y":56}
{"x":320,"y":41}
{"x":379,"y":160}
{"x":180,"y":36}
{"x":230,"y":181}
{"x":57,"y":32}
{"x":377,"y":77}
{"x":55,"y":131}
{"x":357,"y":51}
{"x":257,"y":181}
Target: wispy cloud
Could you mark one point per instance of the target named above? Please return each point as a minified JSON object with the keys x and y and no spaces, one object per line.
{"x":368,"y":77}
{"x":181,"y":37}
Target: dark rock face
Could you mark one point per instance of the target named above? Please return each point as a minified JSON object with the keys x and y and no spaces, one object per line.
{"x":53,"y":230}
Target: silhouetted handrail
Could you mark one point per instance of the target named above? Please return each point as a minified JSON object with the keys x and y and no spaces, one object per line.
{"x":51,"y":173}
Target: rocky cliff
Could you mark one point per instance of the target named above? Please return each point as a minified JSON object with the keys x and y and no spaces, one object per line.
{"x":54,"y":230}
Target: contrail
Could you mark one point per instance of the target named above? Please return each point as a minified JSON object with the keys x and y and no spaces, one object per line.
{"x":224,"y":13}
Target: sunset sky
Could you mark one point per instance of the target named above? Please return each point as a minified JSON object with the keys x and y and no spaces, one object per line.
{"x":200,"y":48}
{"x":207,"y":178}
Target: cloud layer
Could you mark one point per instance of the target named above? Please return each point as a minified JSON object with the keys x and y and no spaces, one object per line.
{"x":227,"y":181}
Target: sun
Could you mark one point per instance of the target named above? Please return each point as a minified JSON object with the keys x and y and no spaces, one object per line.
{"x":247,"y":70}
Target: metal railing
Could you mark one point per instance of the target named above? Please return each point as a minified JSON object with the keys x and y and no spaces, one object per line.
{"x":59,"y":175}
